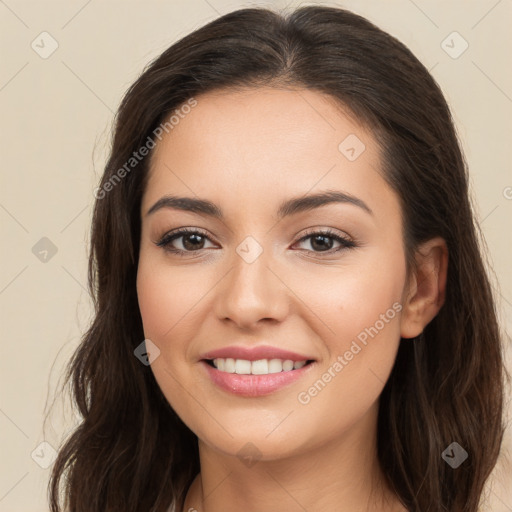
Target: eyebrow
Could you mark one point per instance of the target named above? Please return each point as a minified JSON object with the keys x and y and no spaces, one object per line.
{"x":289,"y":207}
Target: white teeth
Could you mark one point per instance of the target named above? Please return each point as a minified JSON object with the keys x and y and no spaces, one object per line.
{"x":260,"y":367}
{"x":242,"y":367}
{"x":287,"y":365}
{"x":275,"y":366}
{"x":229,"y":365}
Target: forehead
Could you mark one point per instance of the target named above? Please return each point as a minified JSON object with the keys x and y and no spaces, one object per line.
{"x":258,"y":143}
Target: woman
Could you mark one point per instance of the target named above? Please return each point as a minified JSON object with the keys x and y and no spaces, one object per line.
{"x":291,"y":307}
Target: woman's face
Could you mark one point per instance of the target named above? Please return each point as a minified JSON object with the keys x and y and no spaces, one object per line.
{"x":255,"y":279}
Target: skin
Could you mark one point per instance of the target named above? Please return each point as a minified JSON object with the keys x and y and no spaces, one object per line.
{"x":247,"y":151}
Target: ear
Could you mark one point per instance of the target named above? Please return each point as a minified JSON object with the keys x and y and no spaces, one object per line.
{"x":424,"y":293}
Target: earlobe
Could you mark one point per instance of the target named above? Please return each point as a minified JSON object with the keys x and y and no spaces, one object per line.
{"x":425,"y":292}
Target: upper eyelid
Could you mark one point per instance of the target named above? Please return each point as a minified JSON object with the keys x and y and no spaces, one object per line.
{"x":180,"y":232}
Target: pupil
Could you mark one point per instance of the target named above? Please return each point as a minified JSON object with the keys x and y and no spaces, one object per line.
{"x":186,"y":241}
{"x":322,"y":245}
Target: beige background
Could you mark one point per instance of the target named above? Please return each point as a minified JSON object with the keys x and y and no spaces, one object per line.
{"x":56,"y":119}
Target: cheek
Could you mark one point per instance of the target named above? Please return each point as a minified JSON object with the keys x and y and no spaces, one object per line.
{"x":361,"y":310}
{"x":367,"y":304}
{"x":157,"y":307}
{"x":166,"y":298}
{"x":364,"y":293}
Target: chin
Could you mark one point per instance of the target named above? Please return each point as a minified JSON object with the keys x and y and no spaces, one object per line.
{"x":254,"y":448}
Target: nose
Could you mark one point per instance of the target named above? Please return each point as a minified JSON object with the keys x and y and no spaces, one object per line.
{"x":251,"y":294}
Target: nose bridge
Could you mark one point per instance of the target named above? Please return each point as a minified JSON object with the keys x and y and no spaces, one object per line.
{"x":251,"y":291}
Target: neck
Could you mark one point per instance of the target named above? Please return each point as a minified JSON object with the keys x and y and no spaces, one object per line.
{"x":340,"y":475}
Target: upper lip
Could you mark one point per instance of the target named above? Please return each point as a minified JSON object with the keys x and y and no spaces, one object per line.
{"x":255,"y":353}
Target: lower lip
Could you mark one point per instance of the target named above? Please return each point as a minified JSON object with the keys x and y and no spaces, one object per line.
{"x":254,"y":385}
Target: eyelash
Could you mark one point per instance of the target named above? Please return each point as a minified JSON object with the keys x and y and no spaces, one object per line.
{"x":166,"y":240}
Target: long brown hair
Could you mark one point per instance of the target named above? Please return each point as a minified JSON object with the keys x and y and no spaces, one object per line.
{"x":131,"y":452}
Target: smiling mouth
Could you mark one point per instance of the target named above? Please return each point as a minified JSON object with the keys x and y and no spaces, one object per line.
{"x":259,"y":367}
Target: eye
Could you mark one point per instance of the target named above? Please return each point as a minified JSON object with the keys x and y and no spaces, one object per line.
{"x":323,"y":241}
{"x":191,"y":240}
